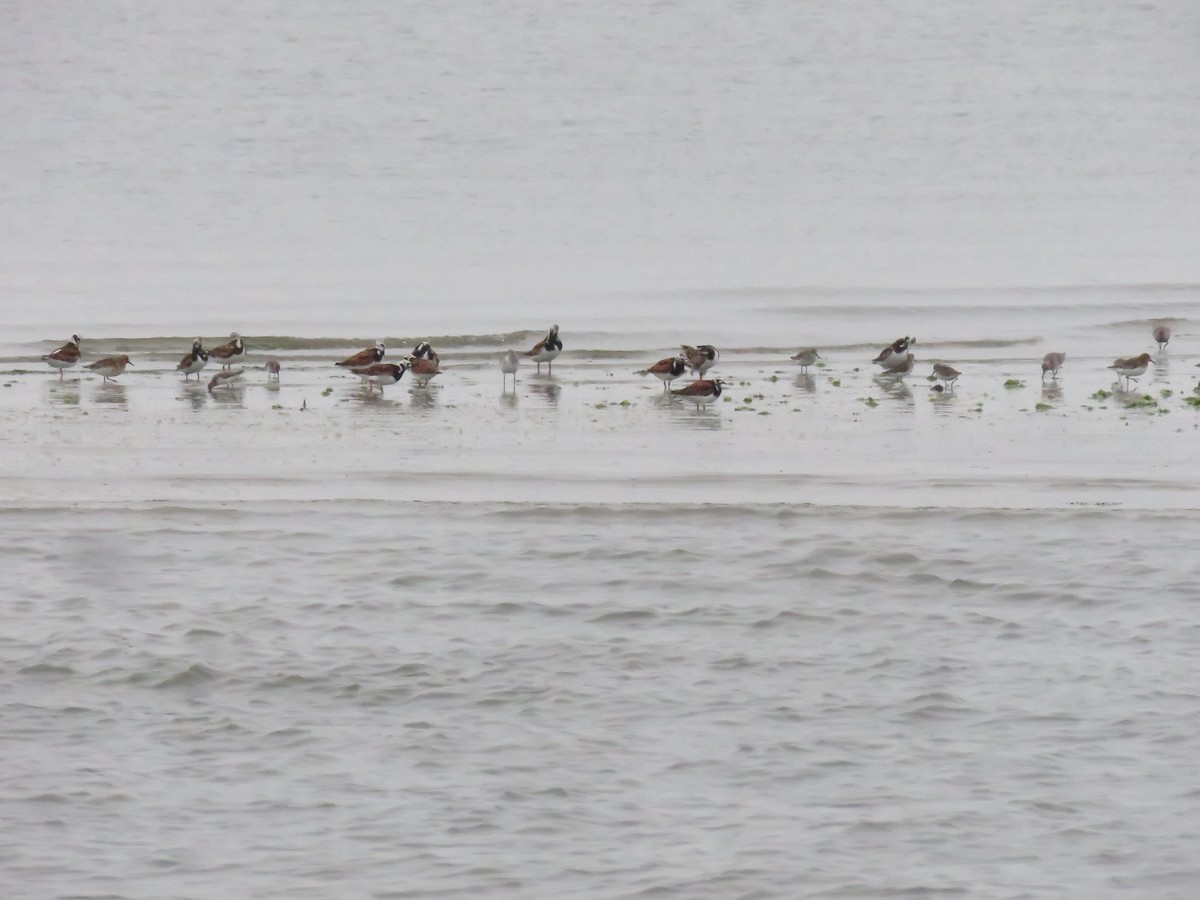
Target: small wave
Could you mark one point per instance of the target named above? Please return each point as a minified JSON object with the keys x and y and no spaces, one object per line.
{"x":197,"y":673}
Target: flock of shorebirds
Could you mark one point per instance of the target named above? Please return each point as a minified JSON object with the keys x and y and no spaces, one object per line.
{"x":896,"y":360}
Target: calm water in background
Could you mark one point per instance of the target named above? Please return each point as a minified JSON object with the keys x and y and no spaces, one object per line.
{"x":442,"y":644}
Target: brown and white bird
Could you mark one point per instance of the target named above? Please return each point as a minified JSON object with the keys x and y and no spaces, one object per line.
{"x":1051,"y":363}
{"x":225,"y":377}
{"x":382,"y":374}
{"x":424,"y":369}
{"x":227,"y":354}
{"x":1131,"y":368}
{"x":1162,"y":336}
{"x":424,"y":350}
{"x":701,"y":392}
{"x":895,"y":355}
{"x":700,"y":358}
{"x":509,"y":363}
{"x":666,"y":370}
{"x":806,"y":358}
{"x":546,"y":350}
{"x":110,"y":366}
{"x":946,"y":374}
{"x":363,"y":359}
{"x":65,"y":356}
{"x":194,"y":361}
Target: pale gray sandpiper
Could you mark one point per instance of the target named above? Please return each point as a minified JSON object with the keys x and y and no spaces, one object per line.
{"x":65,"y":356}
{"x":110,"y":366}
{"x":806,"y":358}
{"x":1131,"y":368}
{"x":509,"y":363}
{"x":273,"y":370}
{"x":225,"y":377}
{"x":1162,"y":336}
{"x":946,"y":374}
{"x":1051,"y":363}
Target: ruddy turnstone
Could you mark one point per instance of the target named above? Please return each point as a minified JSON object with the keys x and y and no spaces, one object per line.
{"x":1051,"y":363}
{"x":700,"y":358}
{"x":546,"y":350}
{"x":382,"y":374}
{"x":194,"y":361}
{"x":424,"y":369}
{"x":1131,"y":368}
{"x":666,"y":370}
{"x":1162,"y":335}
{"x":895,"y":355}
{"x":225,"y":377}
{"x":806,"y":358}
{"x":227,"y":354}
{"x":509,"y":365}
{"x":424,"y":350}
{"x":65,"y":356}
{"x":363,"y":359}
{"x":946,"y":374}
{"x":110,"y":366}
{"x":272,"y":370}
{"x":701,"y":392}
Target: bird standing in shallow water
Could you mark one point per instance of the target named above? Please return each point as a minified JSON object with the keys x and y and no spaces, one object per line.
{"x":946,"y":374}
{"x":64,"y":357}
{"x":110,"y":366}
{"x":666,"y":370}
{"x":194,"y":361}
{"x":228,"y":353}
{"x":700,"y":358}
{"x":806,"y":358}
{"x":701,"y":392}
{"x":1051,"y":363}
{"x":1162,"y":336}
{"x":509,"y":365}
{"x":225,"y":377}
{"x":546,"y":350}
{"x":1131,"y":368}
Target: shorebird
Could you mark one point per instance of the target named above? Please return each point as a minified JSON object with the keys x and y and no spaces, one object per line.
{"x":701,"y":391}
{"x":509,"y":365}
{"x":700,"y":358}
{"x":110,"y":366}
{"x":666,"y":370}
{"x":228,"y":353}
{"x":546,"y":350}
{"x":272,"y":370}
{"x":424,"y":369}
{"x":225,"y":377}
{"x":363,"y":358}
{"x":806,"y":358}
{"x":1131,"y":368}
{"x":895,"y":355}
{"x":65,"y":356}
{"x":1162,"y":335}
{"x":1051,"y":363}
{"x":382,"y":374}
{"x":424,"y":350}
{"x":194,"y":361}
{"x":946,"y":374}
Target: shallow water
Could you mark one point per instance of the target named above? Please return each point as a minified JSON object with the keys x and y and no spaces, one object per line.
{"x":836,"y":635}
